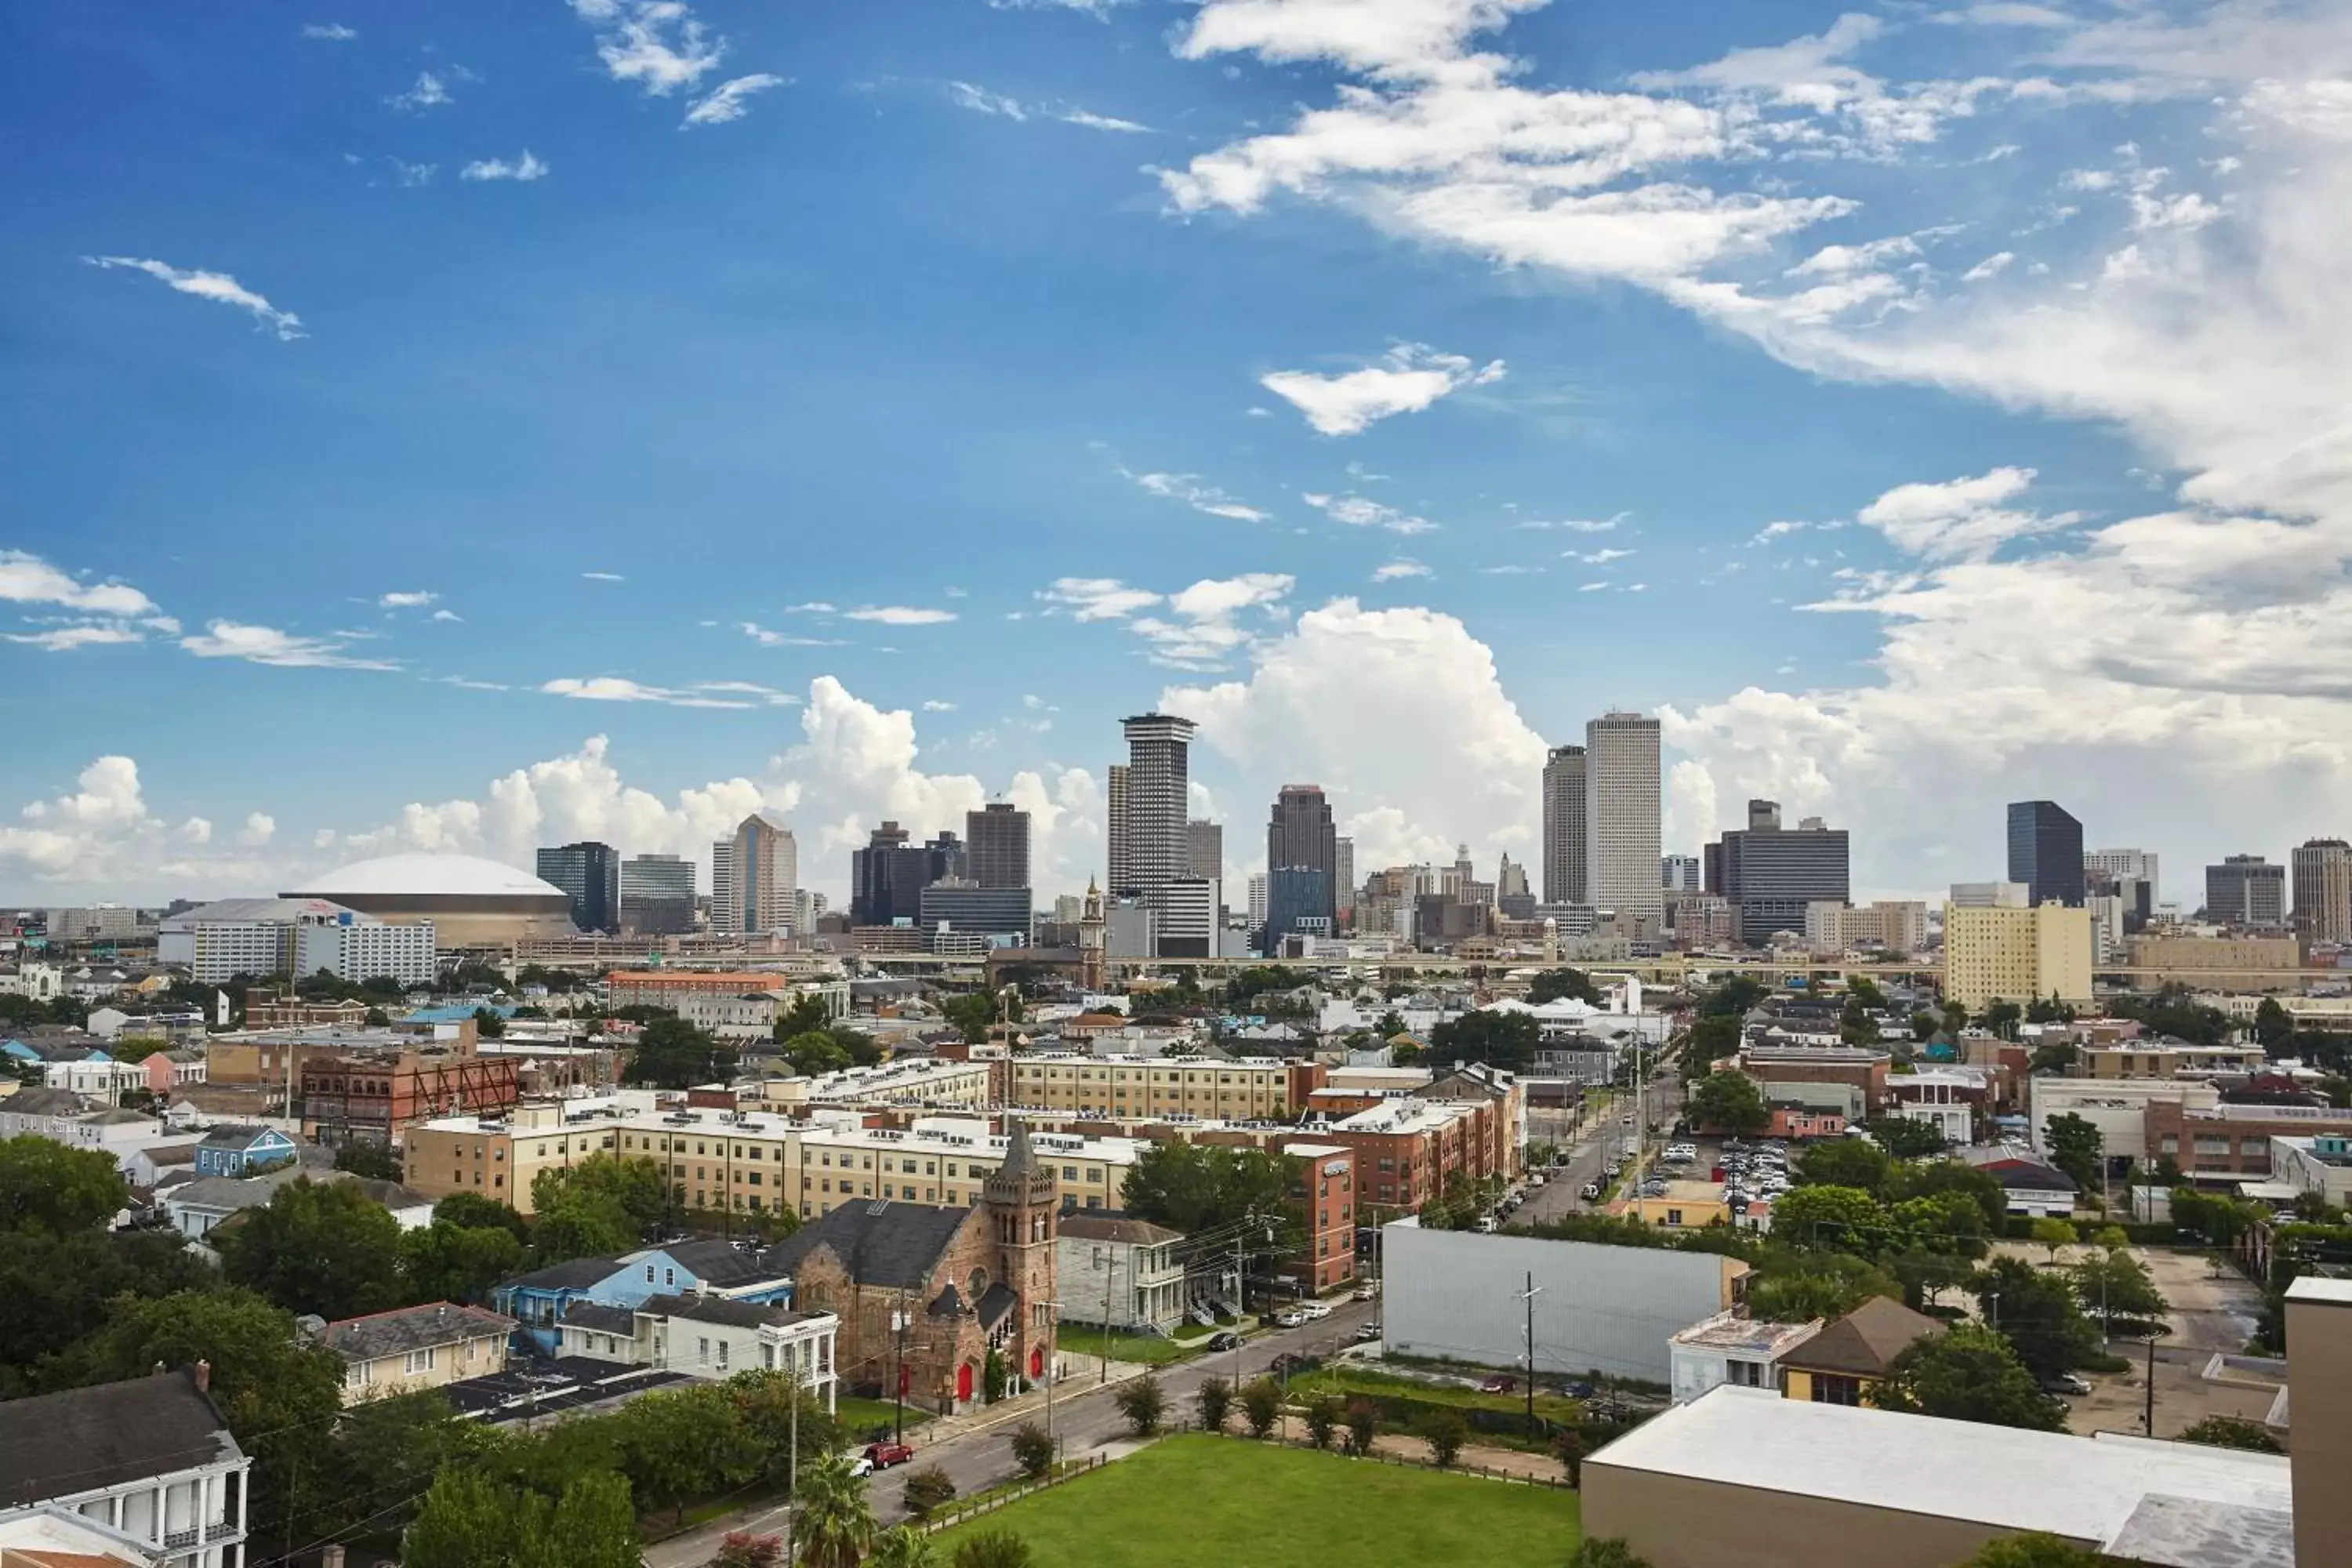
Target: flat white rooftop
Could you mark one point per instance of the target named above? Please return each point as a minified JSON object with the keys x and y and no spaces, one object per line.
{"x":2088,"y":1489}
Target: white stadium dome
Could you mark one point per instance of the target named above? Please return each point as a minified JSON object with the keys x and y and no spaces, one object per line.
{"x":459,"y":876}
{"x":471,"y":901}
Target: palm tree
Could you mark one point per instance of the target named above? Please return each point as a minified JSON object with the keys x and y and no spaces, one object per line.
{"x":993,"y":1549}
{"x":904,"y":1547}
{"x":835,"y":1524}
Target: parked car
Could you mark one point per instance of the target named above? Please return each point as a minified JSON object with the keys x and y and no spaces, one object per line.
{"x":1499,"y":1386}
{"x":1367,"y":1292}
{"x":2065,"y":1383}
{"x":882,"y":1455}
{"x":1366,"y":1332}
{"x":1315,"y":1310}
{"x":1485,"y":1226}
{"x":1286,"y":1364}
{"x":1224,"y":1340}
{"x":1289,"y":1319}
{"x":861,"y":1466}
{"x":1591,"y":1190}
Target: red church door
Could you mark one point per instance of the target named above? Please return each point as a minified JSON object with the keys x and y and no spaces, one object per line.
{"x":963,"y":1384}
{"x":1037,"y":1362}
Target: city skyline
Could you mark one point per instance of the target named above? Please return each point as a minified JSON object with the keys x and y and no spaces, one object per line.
{"x":1844,"y":418}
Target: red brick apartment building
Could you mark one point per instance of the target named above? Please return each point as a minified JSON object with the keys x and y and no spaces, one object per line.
{"x":372,"y":1098}
{"x":1407,"y":1150}
{"x":1324,"y":1194}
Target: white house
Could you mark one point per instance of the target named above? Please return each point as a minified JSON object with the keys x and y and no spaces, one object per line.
{"x":149,"y":1458}
{"x":1729,"y":1347}
{"x":708,"y":1336}
{"x":1119,"y":1272}
{"x":103,"y":1079}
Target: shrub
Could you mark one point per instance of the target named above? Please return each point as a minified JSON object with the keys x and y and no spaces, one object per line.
{"x":1033,"y":1450}
{"x":1362,"y":1425}
{"x":1322,"y":1419}
{"x":993,"y":1549}
{"x":930,"y":1487}
{"x":1445,"y":1431}
{"x":1216,"y":1401}
{"x":1609,"y":1551}
{"x":1143,"y":1402}
{"x":1571,"y":1446}
{"x":1262,"y":1404}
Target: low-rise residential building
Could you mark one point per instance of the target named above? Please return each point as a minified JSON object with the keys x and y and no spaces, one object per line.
{"x":1843,"y":1362}
{"x":1684,"y":1205}
{"x":2035,"y":1189}
{"x":712,"y":1337}
{"x":541,"y":1301}
{"x":1732,"y":1348}
{"x":99,"y":1077}
{"x":1249,"y":1089}
{"x":2319,"y":1166}
{"x":1954,"y":1100}
{"x":413,"y":1348}
{"x":150,"y":1458}
{"x":1407,"y":1150}
{"x":1121,"y":1272}
{"x":166,"y":1072}
{"x":1324,"y":1196}
{"x":929,"y":1082}
{"x":243,"y":1148}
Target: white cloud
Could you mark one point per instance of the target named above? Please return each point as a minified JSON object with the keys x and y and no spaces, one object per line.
{"x":604,"y":576}
{"x":1393,"y":571}
{"x":981,"y":100}
{"x":726,"y":103}
{"x":525,"y":169}
{"x":414,"y":174}
{"x":1581,"y":524}
{"x":85,"y":633}
{"x":1414,"y":377}
{"x":218,"y":287}
{"x":1592,"y":588}
{"x":1098,"y":9}
{"x":766,"y":638}
{"x":1772,"y":530}
{"x":430,"y":92}
{"x":447,"y":615}
{"x":1209,"y":498}
{"x":1599,"y":557}
{"x":267,"y":644}
{"x":260,"y":828}
{"x":1097,"y":598}
{"x":196,"y":830}
{"x":768,"y":695}
{"x":618,"y":689}
{"x":934,"y":705}
{"x":329,"y":32}
{"x":899,"y":616}
{"x":1961,"y":519}
{"x":1992,"y":266}
{"x":659,"y":44}
{"x":1203,"y":626}
{"x":1361,"y":512}
{"x":27,"y":579}
{"x":406,"y":599}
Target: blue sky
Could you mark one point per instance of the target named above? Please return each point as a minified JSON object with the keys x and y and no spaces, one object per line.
{"x":451,"y":384}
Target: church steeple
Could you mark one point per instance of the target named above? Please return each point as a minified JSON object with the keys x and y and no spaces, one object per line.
{"x":1019,"y":1182}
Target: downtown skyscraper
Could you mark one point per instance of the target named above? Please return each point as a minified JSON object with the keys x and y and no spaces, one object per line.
{"x":1563,"y":825}
{"x":1622,"y":807}
{"x":1150,"y":796}
{"x":1301,"y":836}
{"x":2045,"y":852}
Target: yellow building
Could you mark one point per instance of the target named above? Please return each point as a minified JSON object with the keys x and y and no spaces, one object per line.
{"x":1254,"y":1088}
{"x":496,"y":1158}
{"x":2234,"y":962}
{"x":1844,"y":1362}
{"x":2004,"y":954}
{"x":1686,"y":1205}
{"x":416,"y":1348}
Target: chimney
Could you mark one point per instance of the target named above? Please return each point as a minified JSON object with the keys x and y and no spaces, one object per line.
{"x":2319,"y":1398}
{"x":204,"y":1374}
{"x":332,"y":1555}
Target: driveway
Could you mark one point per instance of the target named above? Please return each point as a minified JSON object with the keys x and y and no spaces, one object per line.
{"x":2210,"y":1310}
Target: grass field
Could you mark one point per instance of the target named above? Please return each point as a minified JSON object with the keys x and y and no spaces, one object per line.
{"x":859,"y":1417}
{"x":1345,"y":1380}
{"x":1197,"y":1499}
{"x":1150,"y":1350}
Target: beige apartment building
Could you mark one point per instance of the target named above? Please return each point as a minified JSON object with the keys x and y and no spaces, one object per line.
{"x":2001,"y":953}
{"x":498,"y":1156}
{"x":1896,"y":926}
{"x":1253,"y":1089}
{"x":2174,"y":1059}
{"x":2235,"y":962}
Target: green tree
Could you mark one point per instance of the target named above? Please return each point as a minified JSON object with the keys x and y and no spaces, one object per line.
{"x":2037,"y":1312}
{"x":814,"y":1053}
{"x":2074,"y":1146}
{"x":2052,"y":1234}
{"x":1195,"y":1187}
{"x":2218,"y":1218}
{"x":1363,"y":1425}
{"x":2116,"y":1285}
{"x":1733,"y":998}
{"x":375,"y":1162}
{"x":1552,"y":984}
{"x":673,"y":1054}
{"x":930,"y":1487}
{"x":471,"y":1211}
{"x":490,"y":1026}
{"x":2048,"y":1010}
{"x":1932,"y":1178}
{"x":470,"y":1521}
{"x":903,"y":1547}
{"x":1708,"y":1042}
{"x":443,"y":1262}
{"x":677,"y":1445}
{"x":2233,"y":1432}
{"x":835,"y":1523}
{"x":51,"y":1189}
{"x":1846,"y":1219}
{"x":1925,"y":1273}
{"x":1262,"y":1406}
{"x":2003,"y":1018}
{"x":1923,"y":1026}
{"x":993,"y":1549}
{"x":316,"y":1246}
{"x":1033,"y":1450}
{"x":55,"y":1289}
{"x":2035,"y":1549}
{"x":1142,"y":1402}
{"x":2057,"y":1057}
{"x":1729,"y":1103}
{"x":1908,"y":1137}
{"x":607,"y":1202}
{"x":807,"y":1013}
{"x":390,"y":1449}
{"x":973,"y":1013}
{"x":1796,"y":1287}
{"x":1216,"y":1399}
{"x":1570,"y":1446}
{"x":1322,"y":1419}
{"x":2272,"y":1027}
{"x":1844,"y":1162}
{"x":1445,"y":1431}
{"x":1969,"y":1373}
{"x":1506,"y":1041}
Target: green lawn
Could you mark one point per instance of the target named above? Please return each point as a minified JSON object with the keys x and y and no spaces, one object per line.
{"x":1197,"y":1499}
{"x":1149,"y":1349}
{"x":859,"y":1417}
{"x":1343,"y":1380}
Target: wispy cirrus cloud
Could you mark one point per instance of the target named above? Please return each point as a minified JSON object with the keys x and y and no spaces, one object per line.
{"x":1362,"y":511}
{"x":217,"y":287}
{"x":269,"y":645}
{"x":1200,"y":497}
{"x":660,"y":45}
{"x":525,"y":169}
{"x":899,"y":616}
{"x":604,"y":576}
{"x":981,"y":100}
{"x":329,"y":32}
{"x":766,"y":638}
{"x":81,"y":634}
{"x":726,"y":694}
{"x":430,"y":92}
{"x":1096,"y":598}
{"x":1396,"y":570}
{"x":1413,"y":377}
{"x":727,"y":102}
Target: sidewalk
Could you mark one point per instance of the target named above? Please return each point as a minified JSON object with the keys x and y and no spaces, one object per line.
{"x":1080,"y":1374}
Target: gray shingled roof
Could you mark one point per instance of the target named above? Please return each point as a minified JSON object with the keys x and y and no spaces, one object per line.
{"x":1101,"y":1226}
{"x":720,"y":1263}
{"x":880,"y":1242}
{"x":575,"y":1274}
{"x":604,"y":1319}
{"x":60,"y":1444}
{"x":45,"y":1103}
{"x":717,"y":1310}
{"x":406,"y":1329}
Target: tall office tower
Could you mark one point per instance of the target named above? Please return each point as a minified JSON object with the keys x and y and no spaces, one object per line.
{"x":590,"y":875}
{"x":657,"y":895}
{"x":1510,"y":880}
{"x":1771,"y":873}
{"x":869,"y":875}
{"x":1563,"y":825}
{"x":1204,"y":849}
{"x":999,"y":836}
{"x":1115,"y":819}
{"x":2322,"y":889}
{"x":1158,"y":777}
{"x":2246,"y":890}
{"x":1679,"y":873}
{"x":946,"y":857}
{"x":755,"y":879}
{"x":1301,"y":836}
{"x":1298,"y":903}
{"x":1621,"y":798}
{"x":2045,"y":851}
{"x":2139,"y":864}
{"x":1257,"y":899}
{"x":1343,"y":879}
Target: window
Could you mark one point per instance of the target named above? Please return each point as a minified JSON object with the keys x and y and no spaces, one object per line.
{"x":1835,"y":1388}
{"x":420,"y":1361}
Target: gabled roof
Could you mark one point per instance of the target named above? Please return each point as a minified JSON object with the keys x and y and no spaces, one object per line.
{"x":405,"y":1329}
{"x":880,"y":1242}
{"x":996,"y":1301}
{"x":45,"y":1103}
{"x":717,"y":1310}
{"x":602,"y":1319}
{"x":720,"y":1263}
{"x":1082,"y":1225}
{"x":2030,"y":1175}
{"x":60,"y":1444}
{"x":573,"y":1274}
{"x":1866,"y":1342}
{"x":239,"y":1135}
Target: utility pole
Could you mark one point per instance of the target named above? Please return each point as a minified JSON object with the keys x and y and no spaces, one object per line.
{"x":898,"y":1368}
{"x":793,"y":1462}
{"x":1110,"y":1272}
{"x":1529,"y":1296}
{"x":1056,"y":1307}
{"x":1240,"y":1299}
{"x":2147,"y":1415}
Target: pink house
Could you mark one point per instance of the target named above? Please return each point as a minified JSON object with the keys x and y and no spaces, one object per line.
{"x":169,"y":1070}
{"x":1797,"y":1123}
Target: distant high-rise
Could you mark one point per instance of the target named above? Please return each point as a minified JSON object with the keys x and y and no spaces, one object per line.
{"x":755,"y":879}
{"x":657,"y":895}
{"x":1298,"y":903}
{"x":1150,"y":823}
{"x":1773,"y":874}
{"x":1763,"y":815}
{"x":590,"y":875}
{"x":1115,"y":830}
{"x":887,"y":877}
{"x":1204,"y":849}
{"x":1563,"y":825}
{"x":1257,"y":899}
{"x":2137,"y":864}
{"x":1343,"y":880}
{"x":1679,"y":873}
{"x":1301,"y":836}
{"x":1621,"y":796}
{"x":999,"y":845}
{"x":2246,"y":890}
{"x":2322,"y":889}
{"x":2045,"y":851}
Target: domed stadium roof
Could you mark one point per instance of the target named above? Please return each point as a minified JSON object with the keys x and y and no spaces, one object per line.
{"x":430,"y":876}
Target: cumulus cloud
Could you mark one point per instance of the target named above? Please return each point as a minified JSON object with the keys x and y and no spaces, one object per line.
{"x":1961,"y":518}
{"x":217,"y":287}
{"x":1201,"y":627}
{"x":727,"y":101}
{"x":523,"y":170}
{"x":430,"y":92}
{"x":660,"y":45}
{"x":1414,"y":376}
{"x":1097,"y":598}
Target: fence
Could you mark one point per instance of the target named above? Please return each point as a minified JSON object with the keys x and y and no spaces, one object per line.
{"x":949,"y":1518}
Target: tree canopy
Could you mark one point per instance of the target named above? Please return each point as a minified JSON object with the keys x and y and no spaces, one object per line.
{"x":1968,"y":1373}
{"x":673,"y":1054}
{"x":2038,"y":1313}
{"x":2074,"y":1146}
{"x":1195,"y":1187}
{"x":55,"y":1190}
{"x":316,"y":1246}
{"x":1552,"y":984}
{"x":1501,"y":1040}
{"x":1728,"y":1102}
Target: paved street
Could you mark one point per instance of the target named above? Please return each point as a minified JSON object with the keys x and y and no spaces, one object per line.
{"x":1083,"y":1419}
{"x":1608,"y":1135}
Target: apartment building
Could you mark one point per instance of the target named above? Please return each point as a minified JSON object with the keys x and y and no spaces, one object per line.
{"x":498,"y":1157}
{"x":2000,"y":953}
{"x":149,"y":1460}
{"x":411,"y":1349}
{"x":1249,"y":1088}
{"x":1893,"y":926}
{"x":2232,"y":1140}
{"x":674,"y":988}
{"x":2166,"y":1058}
{"x":914,"y":1081}
{"x":2238,"y":963}
{"x":1407,"y":1150}
{"x":1323,"y":1192}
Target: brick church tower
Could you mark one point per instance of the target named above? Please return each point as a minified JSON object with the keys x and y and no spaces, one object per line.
{"x":1019,"y":1197}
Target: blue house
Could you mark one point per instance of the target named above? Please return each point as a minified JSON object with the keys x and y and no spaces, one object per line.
{"x":539,"y":1301}
{"x":241,"y":1149}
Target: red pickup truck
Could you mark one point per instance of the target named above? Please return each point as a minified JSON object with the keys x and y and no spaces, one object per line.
{"x":882,"y":1455}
